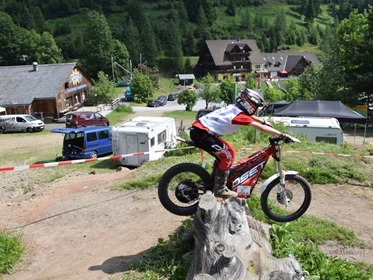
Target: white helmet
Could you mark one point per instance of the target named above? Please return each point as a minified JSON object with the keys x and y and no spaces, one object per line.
{"x":249,"y":101}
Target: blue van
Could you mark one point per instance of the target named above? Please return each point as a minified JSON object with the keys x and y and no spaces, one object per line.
{"x":86,"y":142}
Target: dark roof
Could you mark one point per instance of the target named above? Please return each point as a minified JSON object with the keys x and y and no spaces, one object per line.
{"x":320,"y":108}
{"x":219,"y":49}
{"x":20,"y":85}
{"x":286,"y":61}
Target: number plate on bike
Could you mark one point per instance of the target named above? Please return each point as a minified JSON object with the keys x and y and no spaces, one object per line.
{"x":244,"y":190}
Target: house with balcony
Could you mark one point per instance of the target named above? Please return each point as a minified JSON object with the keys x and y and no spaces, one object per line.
{"x":225,"y":59}
{"x":237,"y":59}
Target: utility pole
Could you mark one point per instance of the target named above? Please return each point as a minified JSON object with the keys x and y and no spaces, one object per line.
{"x":112,"y":68}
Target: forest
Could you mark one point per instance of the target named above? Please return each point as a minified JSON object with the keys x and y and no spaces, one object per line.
{"x":166,"y":33}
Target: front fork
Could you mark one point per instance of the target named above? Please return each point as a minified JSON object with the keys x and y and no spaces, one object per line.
{"x":281,"y":188}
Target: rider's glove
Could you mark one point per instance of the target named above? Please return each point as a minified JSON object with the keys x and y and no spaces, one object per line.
{"x":265,"y":122}
{"x":286,"y":138}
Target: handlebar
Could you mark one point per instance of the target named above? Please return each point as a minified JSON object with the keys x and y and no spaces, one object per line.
{"x":286,"y":139}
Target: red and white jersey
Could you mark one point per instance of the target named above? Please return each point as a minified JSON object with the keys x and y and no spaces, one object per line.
{"x":223,"y":121}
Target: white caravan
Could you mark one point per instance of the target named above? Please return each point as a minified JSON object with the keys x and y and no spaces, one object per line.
{"x":315,"y":129}
{"x":142,"y":134}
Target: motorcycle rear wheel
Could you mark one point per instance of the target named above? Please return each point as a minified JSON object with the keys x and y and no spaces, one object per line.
{"x":298,"y":194}
{"x":181,"y":186}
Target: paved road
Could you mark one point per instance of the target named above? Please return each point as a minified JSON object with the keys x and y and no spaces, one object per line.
{"x":170,"y":106}
{"x":105,"y":110}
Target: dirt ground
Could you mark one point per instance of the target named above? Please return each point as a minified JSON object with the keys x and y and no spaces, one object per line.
{"x":76,"y":228}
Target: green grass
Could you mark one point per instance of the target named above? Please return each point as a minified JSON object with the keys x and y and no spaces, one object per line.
{"x":300,"y":238}
{"x":120,"y":114}
{"x":11,"y":251}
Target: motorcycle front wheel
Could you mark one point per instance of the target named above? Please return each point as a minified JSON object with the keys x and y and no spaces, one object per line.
{"x":297,"y":194}
{"x":181,"y":186}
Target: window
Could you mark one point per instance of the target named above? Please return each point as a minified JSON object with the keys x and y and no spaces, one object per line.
{"x":152,"y":142}
{"x":331,"y":140}
{"x":70,"y":136}
{"x":67,"y":102}
{"x":92,"y":136}
{"x":104,"y":134}
{"x":20,"y":120}
{"x":300,"y":121}
{"x":162,"y":137}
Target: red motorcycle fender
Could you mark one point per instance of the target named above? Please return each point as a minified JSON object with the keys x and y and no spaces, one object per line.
{"x":274,"y":177}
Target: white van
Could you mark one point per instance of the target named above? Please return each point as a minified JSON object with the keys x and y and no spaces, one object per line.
{"x":315,"y":129}
{"x":21,"y":123}
{"x":142,"y":134}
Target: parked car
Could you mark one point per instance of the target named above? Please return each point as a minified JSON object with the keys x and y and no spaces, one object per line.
{"x":172,"y":97}
{"x":85,"y":118}
{"x":162,"y":100}
{"x":21,"y":123}
{"x":203,"y":112}
{"x":153,"y":103}
{"x":85,"y":142}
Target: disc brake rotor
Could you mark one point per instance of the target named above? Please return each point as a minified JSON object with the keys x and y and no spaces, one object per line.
{"x":186,"y":192}
{"x":289,"y":197}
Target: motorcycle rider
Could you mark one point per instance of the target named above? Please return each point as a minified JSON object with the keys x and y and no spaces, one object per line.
{"x":206,"y":132}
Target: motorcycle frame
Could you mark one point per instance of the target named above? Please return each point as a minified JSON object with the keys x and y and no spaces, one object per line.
{"x":248,"y":170}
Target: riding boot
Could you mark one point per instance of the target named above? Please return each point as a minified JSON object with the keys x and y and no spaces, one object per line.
{"x":220,"y":190}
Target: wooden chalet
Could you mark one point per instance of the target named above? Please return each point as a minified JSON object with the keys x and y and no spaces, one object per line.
{"x":237,"y":59}
{"x":49,"y":90}
{"x":288,"y":64}
{"x":225,"y":59}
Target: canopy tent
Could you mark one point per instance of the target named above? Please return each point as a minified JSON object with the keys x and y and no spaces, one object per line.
{"x":320,"y":108}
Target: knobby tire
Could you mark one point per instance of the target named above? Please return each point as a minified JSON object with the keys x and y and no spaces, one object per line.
{"x":165,"y":189}
{"x":291,"y":216}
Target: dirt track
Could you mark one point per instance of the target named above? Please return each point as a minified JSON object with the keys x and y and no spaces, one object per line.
{"x":75,"y":228}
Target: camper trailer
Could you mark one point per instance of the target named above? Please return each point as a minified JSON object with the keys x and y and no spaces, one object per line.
{"x":315,"y":129}
{"x":142,"y":134}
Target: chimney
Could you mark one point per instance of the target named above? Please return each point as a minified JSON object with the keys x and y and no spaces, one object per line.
{"x":35,"y":66}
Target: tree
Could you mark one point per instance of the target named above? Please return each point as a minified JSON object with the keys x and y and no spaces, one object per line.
{"x":8,"y":44}
{"x":188,"y":68}
{"x":308,"y":83}
{"x":104,"y":88}
{"x":250,"y":83}
{"x":97,"y":54}
{"x":292,"y":89}
{"x":120,"y":53}
{"x":189,"y":98}
{"x":272,"y":95}
{"x":355,"y":44}
{"x":173,"y":51}
{"x":227,"y":90}
{"x":208,"y":90}
{"x":152,"y":73}
{"x":141,"y":86}
{"x":49,"y":51}
{"x":231,"y":8}
{"x":131,"y":36}
{"x":148,"y":46}
{"x":100,"y":46}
